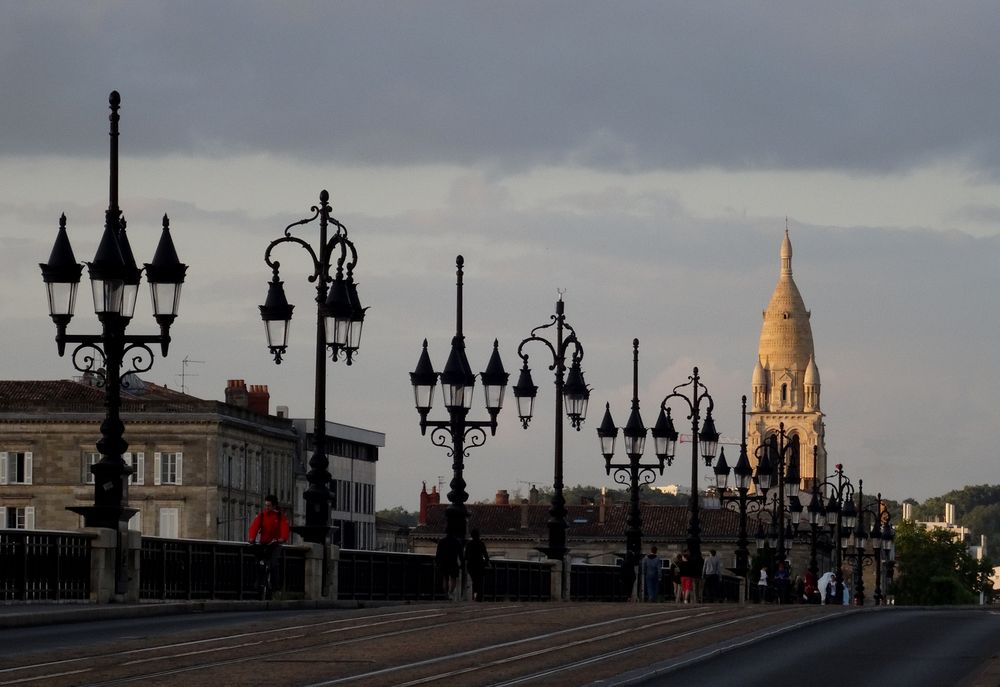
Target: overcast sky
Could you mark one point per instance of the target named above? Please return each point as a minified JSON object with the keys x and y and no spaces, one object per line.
{"x":643,"y":156}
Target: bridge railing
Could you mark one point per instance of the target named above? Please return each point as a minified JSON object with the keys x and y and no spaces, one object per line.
{"x":199,"y":569}
{"x":588,"y":582}
{"x":392,"y":576}
{"x":38,"y":565}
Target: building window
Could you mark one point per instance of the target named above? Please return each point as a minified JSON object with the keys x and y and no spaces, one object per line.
{"x":15,"y":467}
{"x":89,"y":460}
{"x":169,"y":522}
{"x":22,"y":518}
{"x":784,"y":393}
{"x":136,"y":461}
{"x":167,"y":468}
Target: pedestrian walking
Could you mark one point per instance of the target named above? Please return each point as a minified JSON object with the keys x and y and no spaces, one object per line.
{"x":651,"y":568}
{"x":762,"y":585}
{"x":448,"y":560}
{"x":712,"y":573}
{"x":477,"y":560}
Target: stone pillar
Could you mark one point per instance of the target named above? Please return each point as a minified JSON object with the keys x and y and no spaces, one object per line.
{"x":314,"y":571}
{"x":557,"y":587}
{"x":102,"y":563}
{"x":332,"y":570}
{"x":132,"y":541}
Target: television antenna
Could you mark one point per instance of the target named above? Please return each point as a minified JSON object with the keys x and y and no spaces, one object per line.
{"x":185,"y":374}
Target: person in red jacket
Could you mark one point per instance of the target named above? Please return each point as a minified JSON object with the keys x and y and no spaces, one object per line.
{"x":270,"y":530}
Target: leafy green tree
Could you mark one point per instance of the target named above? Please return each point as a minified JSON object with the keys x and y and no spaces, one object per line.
{"x":934,"y":568}
{"x":398,"y":515}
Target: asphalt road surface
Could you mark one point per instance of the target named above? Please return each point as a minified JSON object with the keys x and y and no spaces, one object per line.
{"x":897,"y":646}
{"x":506,"y":644}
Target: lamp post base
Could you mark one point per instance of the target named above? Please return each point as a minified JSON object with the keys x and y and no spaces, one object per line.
{"x":108,"y":517}
{"x":314,"y":534}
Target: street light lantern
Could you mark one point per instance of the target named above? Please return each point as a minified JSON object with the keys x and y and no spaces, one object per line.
{"x":107,"y":274}
{"x":494,"y":380}
{"x":132,"y":275}
{"x":792,"y":478}
{"x":634,"y":434}
{"x":357,"y":317}
{"x":608,"y":433}
{"x":337,"y":314}
{"x":457,"y":380}
{"x":743,"y":471}
{"x":765,"y":471}
{"x":62,"y":277}
{"x":721,"y":471}
{"x":665,"y":436}
{"x":276,"y":314}
{"x":424,"y":381}
{"x":165,"y":276}
{"x":795,"y":509}
{"x":709,"y":439}
{"x":849,"y":515}
{"x":576,"y":395}
{"x":815,"y":509}
{"x":525,"y":392}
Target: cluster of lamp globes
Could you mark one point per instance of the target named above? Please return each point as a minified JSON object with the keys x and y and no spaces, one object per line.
{"x":458,"y":382}
{"x":114,"y":278}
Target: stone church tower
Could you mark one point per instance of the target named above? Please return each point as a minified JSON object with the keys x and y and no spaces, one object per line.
{"x":785,"y":382}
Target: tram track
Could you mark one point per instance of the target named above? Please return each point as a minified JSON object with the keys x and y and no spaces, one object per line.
{"x":476,"y":644}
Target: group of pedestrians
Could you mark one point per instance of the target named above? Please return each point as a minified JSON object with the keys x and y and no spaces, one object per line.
{"x":687,"y":578}
{"x":451,"y":556}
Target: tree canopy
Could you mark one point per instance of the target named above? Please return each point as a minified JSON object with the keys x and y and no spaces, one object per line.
{"x":934,"y":568}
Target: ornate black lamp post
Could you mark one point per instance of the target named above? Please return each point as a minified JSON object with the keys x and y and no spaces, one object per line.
{"x":574,"y":392}
{"x":841,"y":517}
{"x":707,"y":441}
{"x":881,"y":535}
{"x":778,"y":473}
{"x":114,"y":279}
{"x":743,"y":502}
{"x":339,"y":319}
{"x":635,"y":473}
{"x":457,"y":383}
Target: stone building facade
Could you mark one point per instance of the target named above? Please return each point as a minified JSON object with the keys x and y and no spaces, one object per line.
{"x":200,"y":468}
{"x":785,"y":380}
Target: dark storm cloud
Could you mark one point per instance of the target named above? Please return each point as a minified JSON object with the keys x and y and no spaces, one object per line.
{"x":865,"y":86}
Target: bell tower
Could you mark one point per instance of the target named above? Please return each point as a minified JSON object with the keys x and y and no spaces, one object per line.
{"x":785,"y":380}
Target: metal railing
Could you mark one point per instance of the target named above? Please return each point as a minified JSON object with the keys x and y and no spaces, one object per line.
{"x":37,"y":565}
{"x":589,"y":582}
{"x":506,"y":580}
{"x":196,"y":569}
{"x":390,"y":576}
{"x":387,"y":576}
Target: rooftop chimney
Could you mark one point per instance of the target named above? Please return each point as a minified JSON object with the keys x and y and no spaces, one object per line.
{"x":259,"y":400}
{"x":236,"y":393}
{"x":427,"y":499}
{"x":503,"y":498}
{"x":524,"y":513}
{"x":281,"y":411}
{"x":602,"y":510}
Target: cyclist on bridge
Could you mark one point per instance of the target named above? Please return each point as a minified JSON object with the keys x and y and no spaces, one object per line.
{"x":270,"y":530}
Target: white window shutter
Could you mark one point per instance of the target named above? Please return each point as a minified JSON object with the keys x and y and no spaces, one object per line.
{"x":180,"y":457}
{"x":29,"y":517}
{"x":3,"y":470}
{"x":140,"y":468}
{"x":156,"y":467}
{"x":3,"y":517}
{"x":127,"y":458}
{"x":27,"y":467}
{"x":136,"y":522}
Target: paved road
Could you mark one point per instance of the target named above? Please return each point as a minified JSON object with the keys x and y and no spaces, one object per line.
{"x":896,"y":646}
{"x":466,"y":644}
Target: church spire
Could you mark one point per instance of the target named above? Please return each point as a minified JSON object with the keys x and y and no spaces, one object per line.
{"x":786,"y":253}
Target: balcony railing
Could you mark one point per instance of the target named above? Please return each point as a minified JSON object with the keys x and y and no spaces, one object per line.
{"x":37,"y":565}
